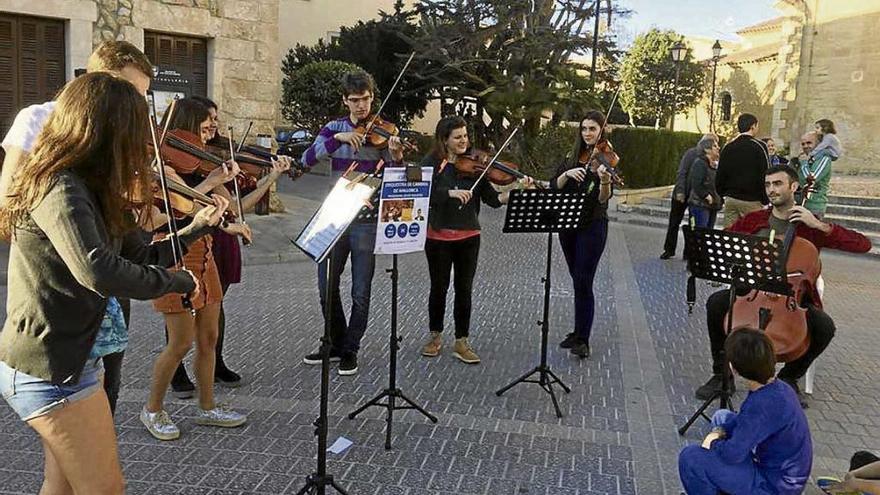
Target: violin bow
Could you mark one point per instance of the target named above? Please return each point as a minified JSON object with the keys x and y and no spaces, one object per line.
{"x":176,"y":247}
{"x":232,"y":152}
{"x":490,"y":162}
{"x":391,"y":91}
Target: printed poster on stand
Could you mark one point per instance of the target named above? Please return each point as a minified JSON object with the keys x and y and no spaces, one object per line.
{"x":403,"y":212}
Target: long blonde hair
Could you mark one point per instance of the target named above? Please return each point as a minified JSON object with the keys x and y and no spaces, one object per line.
{"x":99,"y":131}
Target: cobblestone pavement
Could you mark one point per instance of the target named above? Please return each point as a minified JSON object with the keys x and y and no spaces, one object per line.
{"x":618,"y":434}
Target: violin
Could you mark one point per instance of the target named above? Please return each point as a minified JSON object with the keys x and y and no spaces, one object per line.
{"x":184,"y":151}
{"x":252,"y":159}
{"x":473,"y":163}
{"x":782,"y":317}
{"x":602,"y":154}
{"x":185,"y":201}
{"x":377,"y":131}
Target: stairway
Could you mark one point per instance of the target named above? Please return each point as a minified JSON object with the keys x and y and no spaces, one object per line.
{"x":858,"y":213}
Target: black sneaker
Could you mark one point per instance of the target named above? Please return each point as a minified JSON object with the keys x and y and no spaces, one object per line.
{"x":184,"y":390}
{"x":666,"y":255}
{"x":315,"y":357}
{"x":181,"y":386}
{"x":569,"y":341}
{"x":348,"y":365}
{"x":227,"y":378}
{"x":710,"y":388}
{"x":580,"y":349}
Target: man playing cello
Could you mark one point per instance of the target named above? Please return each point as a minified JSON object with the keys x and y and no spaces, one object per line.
{"x":780,"y":184}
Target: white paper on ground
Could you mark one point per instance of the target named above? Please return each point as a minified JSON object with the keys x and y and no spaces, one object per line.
{"x":340,"y":445}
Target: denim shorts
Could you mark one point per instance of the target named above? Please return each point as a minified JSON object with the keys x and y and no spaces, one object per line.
{"x":32,"y":397}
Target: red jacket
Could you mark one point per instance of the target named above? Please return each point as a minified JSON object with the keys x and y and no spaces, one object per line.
{"x":839,"y":237}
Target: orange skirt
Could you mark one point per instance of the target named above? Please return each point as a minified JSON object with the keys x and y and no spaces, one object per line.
{"x":200,"y":260}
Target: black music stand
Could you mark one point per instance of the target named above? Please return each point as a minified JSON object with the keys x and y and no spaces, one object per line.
{"x":392,"y":392}
{"x":746,"y":262}
{"x":317,"y":240}
{"x":537,"y":211}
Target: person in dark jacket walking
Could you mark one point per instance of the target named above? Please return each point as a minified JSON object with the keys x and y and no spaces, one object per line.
{"x":679,"y":197}
{"x":453,"y":242}
{"x":741,"y":168}
{"x":703,"y":201}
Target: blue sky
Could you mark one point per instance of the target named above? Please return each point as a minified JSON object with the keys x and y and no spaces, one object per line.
{"x":710,"y":18}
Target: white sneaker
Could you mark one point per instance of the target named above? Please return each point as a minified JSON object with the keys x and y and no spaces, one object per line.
{"x":159,"y":425}
{"x":220,"y":416}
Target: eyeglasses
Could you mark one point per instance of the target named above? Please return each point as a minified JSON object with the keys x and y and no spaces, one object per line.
{"x":362,"y":99}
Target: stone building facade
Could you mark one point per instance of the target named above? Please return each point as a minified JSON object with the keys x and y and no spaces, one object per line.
{"x":225,"y":49}
{"x":818,"y":59}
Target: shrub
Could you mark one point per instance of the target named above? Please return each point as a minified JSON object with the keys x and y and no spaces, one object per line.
{"x":312,"y":94}
{"x":650,"y":157}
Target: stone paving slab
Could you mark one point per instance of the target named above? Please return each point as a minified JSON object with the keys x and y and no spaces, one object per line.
{"x":618,"y":434}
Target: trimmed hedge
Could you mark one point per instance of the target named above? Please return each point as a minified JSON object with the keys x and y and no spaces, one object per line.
{"x":648,"y":157}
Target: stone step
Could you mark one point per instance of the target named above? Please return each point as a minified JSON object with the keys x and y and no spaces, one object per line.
{"x":842,"y":209}
{"x":650,"y":217}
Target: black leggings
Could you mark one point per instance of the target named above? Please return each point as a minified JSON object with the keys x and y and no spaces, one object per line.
{"x":443,"y":257}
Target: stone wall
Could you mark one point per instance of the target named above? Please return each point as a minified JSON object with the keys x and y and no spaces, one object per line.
{"x":839,"y":79}
{"x":243,"y":54}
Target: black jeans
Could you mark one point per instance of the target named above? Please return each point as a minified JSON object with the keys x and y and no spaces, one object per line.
{"x":443,"y":256}
{"x":676,"y":214}
{"x":820,"y":327}
{"x":583,"y":249}
{"x":113,"y":362}
{"x":113,"y":377}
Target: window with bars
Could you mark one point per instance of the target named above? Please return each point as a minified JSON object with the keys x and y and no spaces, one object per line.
{"x":32,"y":65}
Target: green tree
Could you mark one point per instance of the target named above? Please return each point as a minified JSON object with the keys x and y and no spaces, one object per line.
{"x":312,"y":94}
{"x":648,"y":77}
{"x":380,"y":47}
{"x":508,"y":61}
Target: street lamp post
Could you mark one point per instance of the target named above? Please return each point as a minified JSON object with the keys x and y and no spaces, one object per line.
{"x":716,"y":54}
{"x":678,"y":51}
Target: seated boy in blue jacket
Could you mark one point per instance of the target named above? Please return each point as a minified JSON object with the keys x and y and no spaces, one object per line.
{"x":765,"y":449}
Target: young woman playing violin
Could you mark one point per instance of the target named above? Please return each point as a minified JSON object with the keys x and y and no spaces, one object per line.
{"x":586,"y":170}
{"x":184,"y":327}
{"x":454,"y":234}
{"x":74,"y":246}
{"x":227,"y":257}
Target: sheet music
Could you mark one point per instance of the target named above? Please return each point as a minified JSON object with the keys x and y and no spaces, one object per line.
{"x":339,"y":209}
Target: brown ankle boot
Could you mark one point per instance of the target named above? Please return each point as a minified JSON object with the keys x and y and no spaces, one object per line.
{"x":463,"y":351}
{"x":432,"y":348}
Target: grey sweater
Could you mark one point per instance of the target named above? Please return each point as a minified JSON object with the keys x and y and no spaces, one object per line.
{"x":62,"y":268}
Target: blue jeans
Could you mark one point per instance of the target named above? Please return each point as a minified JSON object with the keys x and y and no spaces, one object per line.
{"x":358,"y":241}
{"x":583,"y":249}
{"x":31,"y":397}
{"x":703,"y":217}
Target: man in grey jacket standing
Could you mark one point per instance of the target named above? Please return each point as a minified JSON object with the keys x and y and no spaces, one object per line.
{"x":680,"y":195}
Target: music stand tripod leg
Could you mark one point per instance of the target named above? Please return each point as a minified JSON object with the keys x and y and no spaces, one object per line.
{"x":392,"y":392}
{"x":546,"y":378}
{"x":318,"y":481}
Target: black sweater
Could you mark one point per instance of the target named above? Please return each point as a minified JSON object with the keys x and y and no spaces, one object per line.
{"x":741,"y":169}
{"x":445,"y":212}
{"x":590,"y":185}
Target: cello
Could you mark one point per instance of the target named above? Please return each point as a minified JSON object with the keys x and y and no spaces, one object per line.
{"x":783,"y":317}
